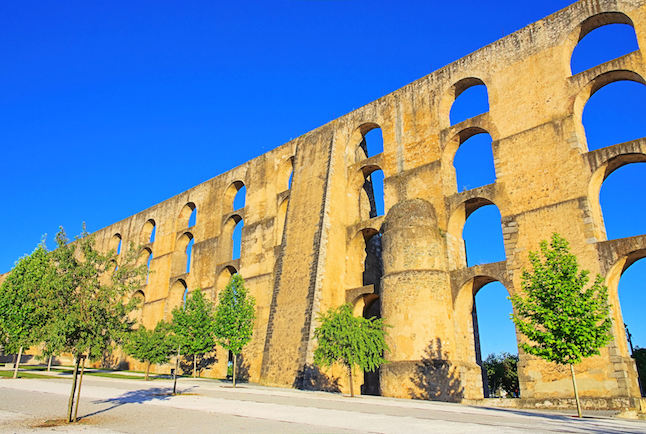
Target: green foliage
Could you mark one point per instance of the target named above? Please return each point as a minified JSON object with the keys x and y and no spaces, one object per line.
{"x":563,"y":320}
{"x":85,"y":297}
{"x":502,"y":373}
{"x":234,"y":316}
{"x":22,"y":313}
{"x":350,"y":340}
{"x":193,"y":325}
{"x":151,"y":346}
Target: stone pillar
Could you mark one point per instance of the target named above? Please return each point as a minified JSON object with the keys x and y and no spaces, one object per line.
{"x":417,"y":304}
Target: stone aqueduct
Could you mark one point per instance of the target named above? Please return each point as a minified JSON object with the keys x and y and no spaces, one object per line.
{"x":309,"y":247}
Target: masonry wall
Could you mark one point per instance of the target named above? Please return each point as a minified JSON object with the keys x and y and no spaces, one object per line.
{"x":297,"y":267}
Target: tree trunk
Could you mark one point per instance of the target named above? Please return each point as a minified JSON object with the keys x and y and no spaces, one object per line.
{"x":70,"y":403}
{"x":15,"y":371}
{"x":49,"y":364}
{"x":235,"y":359}
{"x":576,"y":392}
{"x":179,"y":349}
{"x":351,"y":382}
{"x":78,"y":395}
{"x":194,"y":365}
{"x":147,"y":370}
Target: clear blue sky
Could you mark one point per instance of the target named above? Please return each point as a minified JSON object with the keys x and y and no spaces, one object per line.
{"x":98,"y":99}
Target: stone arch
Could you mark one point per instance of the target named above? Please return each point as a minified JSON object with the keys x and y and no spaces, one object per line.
{"x":148,"y":231}
{"x":226,"y":240}
{"x":457,"y":219}
{"x":186,"y":215}
{"x":451,"y":150}
{"x":589,"y":89}
{"x":468,"y":332}
{"x":363,"y":260}
{"x":285,"y":172}
{"x":230,"y":195}
{"x":223,"y":277}
{"x":452,"y":94}
{"x":138,"y":300}
{"x":597,"y":179}
{"x":116,"y":243}
{"x":358,"y":149}
{"x":589,"y":25}
{"x":175,"y":297}
{"x":371,"y":194}
{"x":182,"y":258}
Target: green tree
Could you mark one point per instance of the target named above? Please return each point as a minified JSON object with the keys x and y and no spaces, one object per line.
{"x":234,"y":316}
{"x":151,"y":346}
{"x":563,"y":318}
{"x":349,"y":340}
{"x":22,"y":316}
{"x":502,"y":373}
{"x":86,"y":298}
{"x":193,"y":326}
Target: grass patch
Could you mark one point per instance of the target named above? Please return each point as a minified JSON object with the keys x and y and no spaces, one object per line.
{"x":9,"y":374}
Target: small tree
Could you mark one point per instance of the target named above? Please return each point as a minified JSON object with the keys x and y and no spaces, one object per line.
{"x":22,"y":316}
{"x":193,"y":326}
{"x":563,"y":320}
{"x":349,"y":340}
{"x":234,"y":316}
{"x":150,"y":346}
{"x":87,"y":301}
{"x":502,"y":373}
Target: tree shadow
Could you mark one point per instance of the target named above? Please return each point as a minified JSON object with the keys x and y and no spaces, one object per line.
{"x":435,"y":378}
{"x":140,"y":396}
{"x":204,"y":361}
{"x":111,"y":361}
{"x":310,"y":377}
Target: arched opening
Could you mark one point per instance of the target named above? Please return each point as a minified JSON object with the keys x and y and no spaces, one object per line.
{"x":235,"y":196}
{"x":285,"y":173}
{"x":622,"y":206}
{"x":471,"y":99}
{"x":148,"y":232}
{"x":146,"y":257}
{"x":371,"y":199}
{"x":496,"y":348}
{"x":138,"y":300}
{"x":115,"y":243}
{"x":281,"y":218}
{"x":474,"y":162}
{"x":370,"y":139}
{"x":189,"y":254}
{"x":236,"y":239}
{"x":632,"y":299}
{"x":371,"y":384}
{"x":615,"y":114}
{"x":187,"y":216}
{"x":602,"y":38}
{"x":232,"y":237}
{"x":224,"y":277}
{"x":148,"y":264}
{"x":182,"y":262}
{"x":482,"y":235}
{"x":175,"y":297}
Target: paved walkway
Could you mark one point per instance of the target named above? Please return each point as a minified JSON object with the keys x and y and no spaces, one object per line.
{"x":115,"y":405}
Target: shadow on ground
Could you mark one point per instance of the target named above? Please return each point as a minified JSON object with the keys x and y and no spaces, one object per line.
{"x":140,"y":396}
{"x":310,"y":377}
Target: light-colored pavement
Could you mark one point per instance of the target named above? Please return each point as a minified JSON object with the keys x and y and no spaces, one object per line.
{"x":111,"y":405}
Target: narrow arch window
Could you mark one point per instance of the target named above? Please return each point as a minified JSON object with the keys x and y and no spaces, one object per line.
{"x":603,"y":44}
{"x":187,"y":216}
{"x":474,"y":162}
{"x":495,"y":337}
{"x":176,"y":297}
{"x":148,"y":231}
{"x":236,"y":239}
{"x":471,"y":99}
{"x":371,"y":202}
{"x":189,"y":254}
{"x":623,"y":211}
{"x":289,"y":181}
{"x":115,"y":243}
{"x":615,"y":114}
{"x":235,"y":196}
{"x":482,"y":235}
{"x":148,"y":264}
{"x":372,"y":142}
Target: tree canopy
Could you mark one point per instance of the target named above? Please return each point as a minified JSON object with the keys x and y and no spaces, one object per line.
{"x":349,"y":340}
{"x":151,"y":346}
